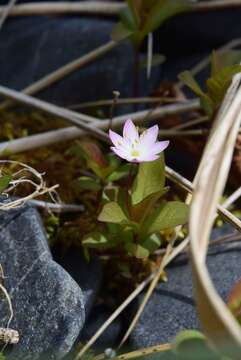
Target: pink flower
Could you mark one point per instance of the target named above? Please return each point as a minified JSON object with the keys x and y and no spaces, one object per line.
{"x":137,"y":148}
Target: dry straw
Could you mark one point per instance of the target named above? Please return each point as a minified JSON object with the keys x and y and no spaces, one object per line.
{"x":209,"y":184}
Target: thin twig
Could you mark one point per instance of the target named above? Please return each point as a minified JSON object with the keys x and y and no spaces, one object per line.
{"x":198,"y":121}
{"x":125,"y":101}
{"x":65,"y":70}
{"x":6,"y":11}
{"x":138,"y":353}
{"x":103,"y":8}
{"x":232,"y":198}
{"x":57,"y":208}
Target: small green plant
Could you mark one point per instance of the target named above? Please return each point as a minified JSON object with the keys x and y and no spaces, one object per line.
{"x":142,"y":17}
{"x":222,"y":71}
{"x":131,"y":218}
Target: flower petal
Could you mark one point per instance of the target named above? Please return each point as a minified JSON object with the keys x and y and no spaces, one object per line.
{"x":121,"y":153}
{"x":116,"y":139}
{"x":149,"y":136}
{"x":130,"y":131}
{"x":148,"y":157}
{"x":158,"y":147}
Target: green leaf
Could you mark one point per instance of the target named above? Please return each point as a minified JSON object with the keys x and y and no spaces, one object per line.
{"x":135,"y":7}
{"x":217,"y":85}
{"x":112,"y":213}
{"x":140,"y":211}
{"x":220,"y":60}
{"x":190,"y":342}
{"x":88,"y":183}
{"x":121,"y":172}
{"x":152,"y":243}
{"x":149,"y":180}
{"x":137,"y":250}
{"x":161,"y":11}
{"x":95,"y":239}
{"x":168,"y":215}
{"x":187,"y":79}
{"x":4,"y":182}
{"x":234,"y":301}
{"x":120,"y":32}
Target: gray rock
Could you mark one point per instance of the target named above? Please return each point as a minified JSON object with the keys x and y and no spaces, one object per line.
{"x":88,"y":274}
{"x":35,"y":46}
{"x":172,"y":306}
{"x":48,"y":304}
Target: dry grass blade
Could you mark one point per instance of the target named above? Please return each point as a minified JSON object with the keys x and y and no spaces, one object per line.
{"x":212,"y":175}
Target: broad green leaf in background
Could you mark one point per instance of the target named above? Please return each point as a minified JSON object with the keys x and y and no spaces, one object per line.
{"x":150,"y":179}
{"x":112,"y":212}
{"x":218,"y":84}
{"x":187,"y":79}
{"x":168,"y":215}
{"x":161,"y":11}
{"x":4,"y":182}
{"x":142,"y":17}
{"x":222,"y":72}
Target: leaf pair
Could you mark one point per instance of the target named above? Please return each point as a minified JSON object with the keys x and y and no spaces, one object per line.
{"x":140,"y":211}
{"x":142,"y":17}
{"x":222,"y":72}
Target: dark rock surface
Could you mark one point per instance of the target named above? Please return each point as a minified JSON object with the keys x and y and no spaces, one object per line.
{"x":172,"y":307}
{"x":32,"y":47}
{"x":111,"y":336}
{"x":88,"y":275}
{"x":48,"y":304}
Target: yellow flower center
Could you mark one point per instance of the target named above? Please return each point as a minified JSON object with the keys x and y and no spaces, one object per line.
{"x":135,"y":153}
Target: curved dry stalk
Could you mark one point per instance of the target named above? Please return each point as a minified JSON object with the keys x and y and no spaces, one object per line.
{"x":219,"y":324}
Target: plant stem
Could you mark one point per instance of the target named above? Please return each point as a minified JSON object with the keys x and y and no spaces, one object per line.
{"x":136,"y":76}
